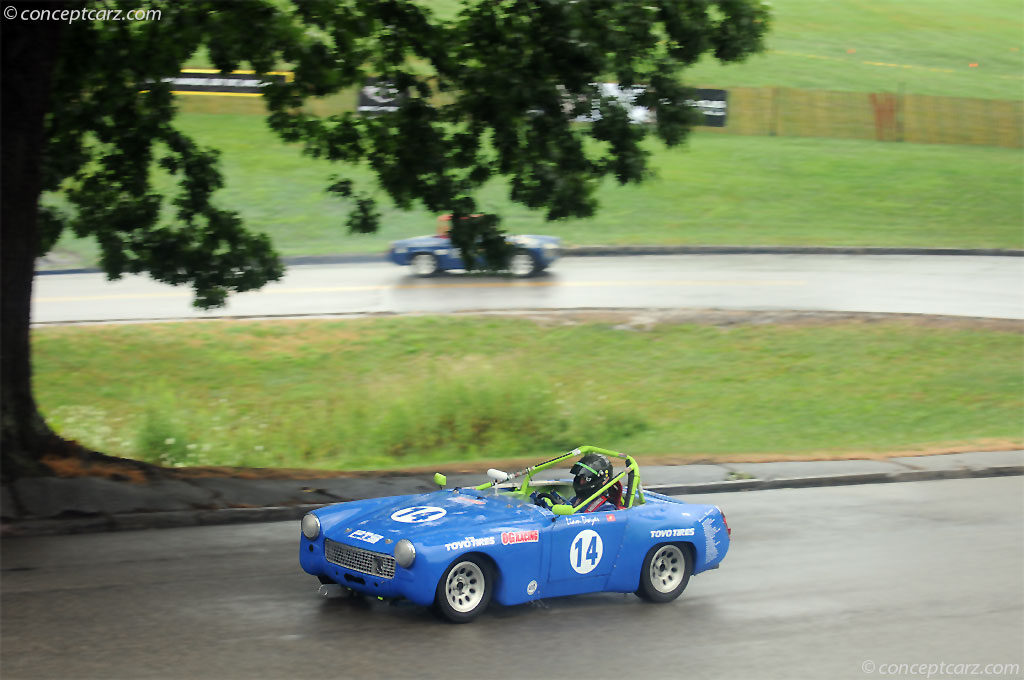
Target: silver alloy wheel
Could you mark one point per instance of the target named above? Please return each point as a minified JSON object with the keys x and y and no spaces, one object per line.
{"x":521,"y":264}
{"x":667,"y":568}
{"x":423,"y":264}
{"x":465,"y":587}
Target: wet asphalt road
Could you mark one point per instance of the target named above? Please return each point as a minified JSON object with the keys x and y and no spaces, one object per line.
{"x":819,"y":583}
{"x":947,"y":285}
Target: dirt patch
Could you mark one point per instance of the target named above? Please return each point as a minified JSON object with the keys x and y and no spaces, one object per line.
{"x":69,"y":468}
{"x":646,"y":319}
{"x":508,"y":464}
{"x":633,"y":319}
{"x":85,"y":463}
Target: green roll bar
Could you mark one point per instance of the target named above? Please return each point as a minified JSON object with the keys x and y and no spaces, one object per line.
{"x":633,"y":491}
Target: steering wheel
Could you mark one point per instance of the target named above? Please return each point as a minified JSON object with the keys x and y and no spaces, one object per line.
{"x":550,"y":497}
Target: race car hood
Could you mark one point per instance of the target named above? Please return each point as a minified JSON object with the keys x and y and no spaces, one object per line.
{"x":431,"y":517}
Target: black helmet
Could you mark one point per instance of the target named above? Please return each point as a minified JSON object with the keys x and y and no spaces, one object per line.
{"x":591,"y":472}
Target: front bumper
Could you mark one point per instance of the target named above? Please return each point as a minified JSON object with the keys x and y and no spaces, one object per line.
{"x":364,"y":571}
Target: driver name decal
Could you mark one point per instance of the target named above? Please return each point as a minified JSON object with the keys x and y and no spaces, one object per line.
{"x":418,"y":514}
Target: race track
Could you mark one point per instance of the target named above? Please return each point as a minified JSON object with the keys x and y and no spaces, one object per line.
{"x":820,"y":583}
{"x":840,"y":582}
{"x":945,"y":285}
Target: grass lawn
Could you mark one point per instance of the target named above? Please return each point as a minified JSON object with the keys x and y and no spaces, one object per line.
{"x":382,"y":393}
{"x":718,"y":190}
{"x":914,"y":46}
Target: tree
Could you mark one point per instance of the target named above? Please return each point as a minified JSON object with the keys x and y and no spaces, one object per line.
{"x":491,"y":92}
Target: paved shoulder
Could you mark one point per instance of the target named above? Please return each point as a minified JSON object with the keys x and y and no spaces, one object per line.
{"x":85,"y":504}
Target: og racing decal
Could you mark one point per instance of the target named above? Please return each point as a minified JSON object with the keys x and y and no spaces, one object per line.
{"x":585,"y":551}
{"x":513,"y":537}
{"x":418,"y":514}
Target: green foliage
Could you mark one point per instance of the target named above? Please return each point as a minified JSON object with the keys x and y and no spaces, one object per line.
{"x":487,"y":89}
{"x":159,"y":440}
{"x":479,"y":417}
{"x":410,"y":391}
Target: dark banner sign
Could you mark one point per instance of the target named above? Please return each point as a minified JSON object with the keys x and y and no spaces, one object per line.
{"x":241,"y":83}
{"x":714,"y":104}
{"x":380,"y":96}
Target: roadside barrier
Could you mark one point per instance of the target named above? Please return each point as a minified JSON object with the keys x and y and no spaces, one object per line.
{"x":789,"y":112}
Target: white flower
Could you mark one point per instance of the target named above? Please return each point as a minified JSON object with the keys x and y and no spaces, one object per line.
{"x":169,"y":441}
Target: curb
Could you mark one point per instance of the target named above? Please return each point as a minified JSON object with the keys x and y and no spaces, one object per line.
{"x":621,"y":251}
{"x":139,"y":521}
{"x":607,"y":251}
{"x":837,"y":480}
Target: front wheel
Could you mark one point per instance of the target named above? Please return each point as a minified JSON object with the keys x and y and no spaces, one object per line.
{"x":523,"y":264}
{"x":424,"y":264}
{"x":665,"y":573}
{"x":464,"y":591}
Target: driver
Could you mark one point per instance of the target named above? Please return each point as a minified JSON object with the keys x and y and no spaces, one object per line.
{"x":590,"y":473}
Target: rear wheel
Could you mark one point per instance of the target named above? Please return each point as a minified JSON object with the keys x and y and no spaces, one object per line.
{"x":665,"y":573}
{"x":423,"y":264}
{"x":464,"y":590}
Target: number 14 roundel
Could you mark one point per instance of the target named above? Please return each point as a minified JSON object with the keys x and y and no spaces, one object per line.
{"x":585,"y":551}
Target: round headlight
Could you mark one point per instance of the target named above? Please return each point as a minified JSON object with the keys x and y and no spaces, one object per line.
{"x":310,"y":526}
{"x":405,"y":553}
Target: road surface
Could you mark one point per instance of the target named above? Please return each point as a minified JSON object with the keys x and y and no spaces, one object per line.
{"x":820,"y":583}
{"x":947,"y":285}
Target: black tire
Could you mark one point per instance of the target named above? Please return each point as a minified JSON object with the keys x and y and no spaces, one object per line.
{"x":523,"y":264}
{"x":665,"y":572}
{"x":464,"y":590}
{"x":424,"y":264}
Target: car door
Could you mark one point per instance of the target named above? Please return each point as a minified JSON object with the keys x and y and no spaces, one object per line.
{"x":448,"y":256}
{"x":583,"y":551}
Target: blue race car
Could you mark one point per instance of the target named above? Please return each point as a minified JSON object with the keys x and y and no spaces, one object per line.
{"x":515,"y":539}
{"x":428,"y":255}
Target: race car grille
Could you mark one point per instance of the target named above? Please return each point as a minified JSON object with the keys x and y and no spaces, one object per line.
{"x":357,"y":559}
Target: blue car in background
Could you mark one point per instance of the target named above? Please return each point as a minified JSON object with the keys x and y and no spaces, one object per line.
{"x":458,"y":549}
{"x":428,"y":255}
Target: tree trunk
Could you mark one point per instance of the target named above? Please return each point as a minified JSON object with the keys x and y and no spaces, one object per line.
{"x":29,"y":57}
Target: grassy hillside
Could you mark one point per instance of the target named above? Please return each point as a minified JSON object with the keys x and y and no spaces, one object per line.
{"x":919,"y":46}
{"x":720,"y":189}
{"x":914,"y":46}
{"x":379,"y":393}
{"x":724,"y":189}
